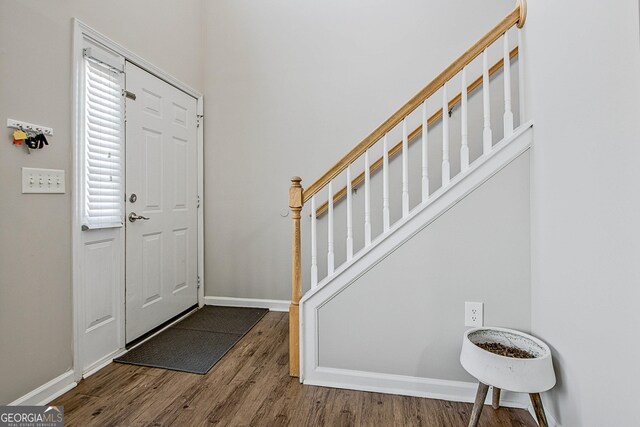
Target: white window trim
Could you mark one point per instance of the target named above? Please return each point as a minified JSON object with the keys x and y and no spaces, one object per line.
{"x":81,"y":31}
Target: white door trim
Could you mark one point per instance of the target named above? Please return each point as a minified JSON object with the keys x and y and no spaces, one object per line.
{"x":80,"y":31}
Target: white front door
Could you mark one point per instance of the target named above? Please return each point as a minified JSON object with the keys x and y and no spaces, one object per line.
{"x":161,"y":189}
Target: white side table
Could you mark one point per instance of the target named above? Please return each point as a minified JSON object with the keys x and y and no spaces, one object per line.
{"x":532,"y":376}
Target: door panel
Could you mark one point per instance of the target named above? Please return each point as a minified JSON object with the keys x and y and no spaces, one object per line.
{"x":101,"y":272}
{"x":151,"y":167}
{"x":161,"y":170}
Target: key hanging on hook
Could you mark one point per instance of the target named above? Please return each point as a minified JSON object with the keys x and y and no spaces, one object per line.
{"x":31,"y":140}
{"x":39,"y":141}
{"x":43,"y":140}
{"x":19,"y":136}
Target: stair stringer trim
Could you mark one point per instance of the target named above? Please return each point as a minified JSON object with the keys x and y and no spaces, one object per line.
{"x":422,"y":215}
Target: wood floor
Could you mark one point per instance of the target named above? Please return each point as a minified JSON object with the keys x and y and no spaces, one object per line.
{"x":251,"y":386}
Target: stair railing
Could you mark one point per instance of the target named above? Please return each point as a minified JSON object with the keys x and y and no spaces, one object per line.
{"x":299,"y":196}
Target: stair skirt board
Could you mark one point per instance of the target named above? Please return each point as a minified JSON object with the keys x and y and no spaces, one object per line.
{"x":271,"y":304}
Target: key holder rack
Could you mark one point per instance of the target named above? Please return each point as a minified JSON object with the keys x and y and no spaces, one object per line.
{"x":18,"y":124}
{"x":40,"y":132}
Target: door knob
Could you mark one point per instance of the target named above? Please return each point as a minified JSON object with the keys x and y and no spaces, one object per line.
{"x":134,"y":216}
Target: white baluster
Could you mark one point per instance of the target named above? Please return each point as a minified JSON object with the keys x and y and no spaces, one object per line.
{"x":349,"y":217}
{"x":330,"y":266}
{"x":486,"y":102}
{"x":314,"y":248}
{"x":425,"y":153}
{"x":521,"y":89}
{"x":385,"y":184}
{"x":508,"y":114}
{"x":367,"y":200}
{"x":405,"y":169}
{"x":464,"y":148}
{"x":446,"y":168}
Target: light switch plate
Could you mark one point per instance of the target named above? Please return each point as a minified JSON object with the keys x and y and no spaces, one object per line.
{"x":42,"y":180}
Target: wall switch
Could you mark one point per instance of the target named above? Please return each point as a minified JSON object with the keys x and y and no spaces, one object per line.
{"x":473,"y":314}
{"x":42,"y":180}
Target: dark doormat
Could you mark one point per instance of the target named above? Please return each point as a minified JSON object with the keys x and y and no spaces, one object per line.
{"x":196,"y":343}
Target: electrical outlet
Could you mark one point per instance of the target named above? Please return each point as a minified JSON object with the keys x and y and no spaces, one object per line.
{"x":473,"y":314}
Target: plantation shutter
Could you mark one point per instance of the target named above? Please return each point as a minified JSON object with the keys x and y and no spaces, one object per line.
{"x":104,"y":146}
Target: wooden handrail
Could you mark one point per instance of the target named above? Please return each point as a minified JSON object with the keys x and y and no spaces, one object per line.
{"x":517,"y":16}
{"x":340,"y":194}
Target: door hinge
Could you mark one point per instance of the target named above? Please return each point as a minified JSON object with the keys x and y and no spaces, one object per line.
{"x":198,"y":202}
{"x":198,"y":282}
{"x":199,"y":118}
{"x":124,"y":106}
{"x":128,"y":95}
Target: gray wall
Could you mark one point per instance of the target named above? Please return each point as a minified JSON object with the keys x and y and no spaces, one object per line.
{"x":35,"y":230}
{"x":405,"y":316}
{"x":292,"y":86}
{"x":584,"y":69}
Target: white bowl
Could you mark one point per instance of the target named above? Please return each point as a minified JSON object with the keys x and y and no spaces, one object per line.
{"x":509,"y":373}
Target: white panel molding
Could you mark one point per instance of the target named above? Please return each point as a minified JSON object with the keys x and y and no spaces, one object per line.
{"x":48,"y":391}
{"x":271,"y":304}
{"x":438,"y":203}
{"x":432,"y":388}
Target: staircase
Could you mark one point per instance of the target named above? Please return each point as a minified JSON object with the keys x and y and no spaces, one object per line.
{"x":430,"y":126}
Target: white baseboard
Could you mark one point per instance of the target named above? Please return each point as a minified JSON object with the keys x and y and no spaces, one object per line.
{"x":271,"y":304}
{"x":456,"y":391}
{"x":48,"y":392}
{"x":550,"y":419}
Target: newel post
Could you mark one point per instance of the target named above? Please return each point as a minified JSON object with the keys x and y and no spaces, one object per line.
{"x":295,"y":203}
